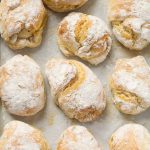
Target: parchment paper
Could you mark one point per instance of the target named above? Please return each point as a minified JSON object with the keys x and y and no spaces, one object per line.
{"x":52,"y":120}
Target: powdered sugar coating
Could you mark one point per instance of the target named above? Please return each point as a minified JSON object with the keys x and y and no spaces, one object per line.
{"x":132,"y":14}
{"x":19,"y":20}
{"x":26,"y":14}
{"x":86,"y":95}
{"x":22,"y":88}
{"x":132,"y":75}
{"x":59,"y":75}
{"x":130,"y":136}
{"x":20,"y":136}
{"x":77,"y":138}
{"x":96,"y":31}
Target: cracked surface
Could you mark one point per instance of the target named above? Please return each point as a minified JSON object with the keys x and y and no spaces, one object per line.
{"x":76,"y":90}
{"x":18,"y":135}
{"x":77,"y":138}
{"x":131,"y":22}
{"x":130,"y":137}
{"x":64,"y":5}
{"x":22,"y":23}
{"x":84,"y":36}
{"x":130,"y":85}
{"x":21,"y":86}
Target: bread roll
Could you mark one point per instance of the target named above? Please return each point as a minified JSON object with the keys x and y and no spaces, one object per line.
{"x":131,"y":22}
{"x":21,"y":136}
{"x":64,"y":5}
{"x":76,"y":90}
{"x":84,"y":36}
{"x":130,"y":137}
{"x":77,"y":138}
{"x":130,"y":85}
{"x":22,"y":86}
{"x":22,"y":22}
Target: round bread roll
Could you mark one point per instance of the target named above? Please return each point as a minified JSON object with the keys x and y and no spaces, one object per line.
{"x":22,"y":22}
{"x":76,"y":90}
{"x":77,"y":138}
{"x":64,"y":5}
{"x":130,"y":137}
{"x":21,"y":136}
{"x":21,"y":86}
{"x":130,"y":85}
{"x":131,"y":22}
{"x":84,"y":36}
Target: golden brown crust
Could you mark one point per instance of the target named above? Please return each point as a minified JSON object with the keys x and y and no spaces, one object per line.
{"x":19,"y":135}
{"x":21,"y":86}
{"x":130,"y":137}
{"x":130,"y":85}
{"x":22,"y":23}
{"x":77,"y":138}
{"x":130,"y":21}
{"x":70,"y":82}
{"x":84,"y":36}
{"x":115,"y":8}
{"x":64,"y":5}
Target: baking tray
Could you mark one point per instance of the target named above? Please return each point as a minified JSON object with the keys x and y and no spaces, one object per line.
{"x":52,"y":120}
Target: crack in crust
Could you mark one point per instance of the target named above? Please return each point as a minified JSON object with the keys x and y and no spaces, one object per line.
{"x":131,"y":22}
{"x":84,"y":36}
{"x":22,"y":23}
{"x":77,"y":91}
{"x":130,"y":85}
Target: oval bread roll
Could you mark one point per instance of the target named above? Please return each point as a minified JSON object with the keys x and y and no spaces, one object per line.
{"x":84,"y":36}
{"x":77,"y":138}
{"x":130,"y":85}
{"x":21,"y":136}
{"x":22,"y":86}
{"x":22,"y":22}
{"x":130,"y":137}
{"x":131,"y":22}
{"x":76,"y":90}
